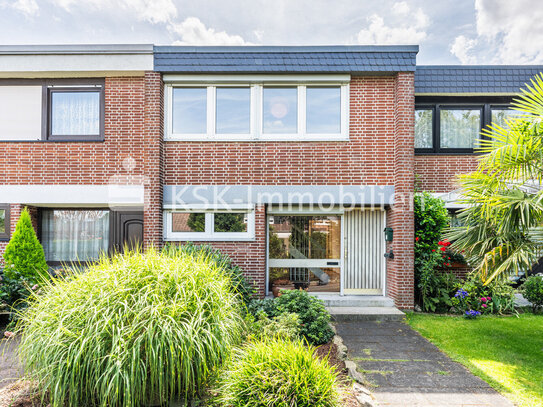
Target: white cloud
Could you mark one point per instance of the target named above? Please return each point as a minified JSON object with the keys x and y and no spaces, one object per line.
{"x":462,"y":47}
{"x":409,"y":27}
{"x":508,"y":32}
{"x":153,"y":11}
{"x":27,"y":7}
{"x":401,"y":8}
{"x":193,"y":32}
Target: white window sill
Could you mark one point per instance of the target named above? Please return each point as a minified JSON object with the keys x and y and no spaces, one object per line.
{"x":287,"y":138}
{"x":209,"y":239}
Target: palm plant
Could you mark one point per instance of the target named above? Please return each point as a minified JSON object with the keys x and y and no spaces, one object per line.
{"x":501,"y":230}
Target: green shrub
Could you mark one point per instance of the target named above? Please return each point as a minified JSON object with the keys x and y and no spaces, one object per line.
{"x":24,"y":262}
{"x":533,"y":291}
{"x":435,"y":287}
{"x":495,"y":298}
{"x":286,"y":326}
{"x":24,"y":256}
{"x":431,"y":220}
{"x":137,"y":329}
{"x":313,"y":316}
{"x":223,"y":261}
{"x":277,"y":373}
{"x":266,"y":305}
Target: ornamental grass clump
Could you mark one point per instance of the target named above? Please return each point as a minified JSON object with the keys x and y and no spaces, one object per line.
{"x":280,"y":373}
{"x":136,"y":329}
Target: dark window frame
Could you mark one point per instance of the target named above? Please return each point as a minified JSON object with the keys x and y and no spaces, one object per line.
{"x":71,"y":137}
{"x":112,"y":235}
{"x":89,"y":84}
{"x":484,"y":103}
{"x":5,"y":236}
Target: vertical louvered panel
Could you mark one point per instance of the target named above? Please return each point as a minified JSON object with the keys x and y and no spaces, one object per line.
{"x":364,"y":247}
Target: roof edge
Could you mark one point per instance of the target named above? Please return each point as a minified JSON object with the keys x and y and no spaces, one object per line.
{"x":77,"y":49}
{"x":478,"y":66}
{"x":285,"y":49}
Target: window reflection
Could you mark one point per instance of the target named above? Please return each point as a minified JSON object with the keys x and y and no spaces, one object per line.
{"x":188,"y":222}
{"x":189,"y":110}
{"x":500,"y":115}
{"x":228,"y":222}
{"x":423,"y":128}
{"x":323,"y":110}
{"x":280,"y":110}
{"x":233,"y":110}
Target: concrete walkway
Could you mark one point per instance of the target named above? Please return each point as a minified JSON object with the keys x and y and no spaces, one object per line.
{"x":10,"y":370}
{"x":404,"y":369}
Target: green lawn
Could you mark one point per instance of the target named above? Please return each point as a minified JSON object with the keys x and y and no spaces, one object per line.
{"x":506,"y":352}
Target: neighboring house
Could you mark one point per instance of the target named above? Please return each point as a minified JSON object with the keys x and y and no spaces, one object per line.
{"x":80,"y":128}
{"x":293,"y":160}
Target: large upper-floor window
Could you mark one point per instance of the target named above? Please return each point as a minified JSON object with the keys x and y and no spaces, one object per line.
{"x":257,"y":111}
{"x":453,"y":125}
{"x":52,"y":110}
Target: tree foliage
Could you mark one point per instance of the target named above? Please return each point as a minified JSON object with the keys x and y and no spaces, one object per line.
{"x":24,"y":256}
{"x":501,"y":231}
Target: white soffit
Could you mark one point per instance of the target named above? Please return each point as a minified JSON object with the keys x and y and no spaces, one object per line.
{"x":74,"y":60}
{"x":73,"y":195}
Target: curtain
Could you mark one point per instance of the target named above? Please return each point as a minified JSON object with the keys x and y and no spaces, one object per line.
{"x":75,"y":113}
{"x":71,"y":235}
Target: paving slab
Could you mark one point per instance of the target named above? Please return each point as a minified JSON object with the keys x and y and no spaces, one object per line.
{"x":404,"y":369}
{"x":10,"y":370}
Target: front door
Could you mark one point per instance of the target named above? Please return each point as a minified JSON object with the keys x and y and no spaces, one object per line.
{"x":364,"y":245}
{"x":304,"y":251}
{"x":128,"y":230}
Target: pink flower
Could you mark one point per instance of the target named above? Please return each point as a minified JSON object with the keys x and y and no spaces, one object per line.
{"x":34,"y":287}
{"x":488,"y":298}
{"x":483,"y":299}
{"x":484,"y":305}
{"x":9,"y":334}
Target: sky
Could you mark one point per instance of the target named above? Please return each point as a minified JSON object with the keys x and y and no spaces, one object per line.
{"x":447,"y":31}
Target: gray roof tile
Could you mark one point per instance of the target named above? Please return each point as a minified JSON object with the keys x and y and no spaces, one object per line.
{"x":436,"y":79}
{"x":337,"y":59}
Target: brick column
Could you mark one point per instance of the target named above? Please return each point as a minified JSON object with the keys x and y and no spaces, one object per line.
{"x":400,"y":270}
{"x":154,"y":159}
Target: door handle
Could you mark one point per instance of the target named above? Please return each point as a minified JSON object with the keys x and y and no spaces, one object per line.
{"x":332,"y":263}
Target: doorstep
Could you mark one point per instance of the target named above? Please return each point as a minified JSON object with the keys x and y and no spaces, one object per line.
{"x":346,"y":314}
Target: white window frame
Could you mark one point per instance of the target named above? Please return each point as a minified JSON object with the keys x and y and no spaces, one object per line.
{"x":256,"y":84}
{"x":209,"y":234}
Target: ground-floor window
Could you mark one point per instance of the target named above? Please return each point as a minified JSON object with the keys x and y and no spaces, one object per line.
{"x":4,"y":222}
{"x":75,"y":235}
{"x":201,"y":225}
{"x":304,"y":251}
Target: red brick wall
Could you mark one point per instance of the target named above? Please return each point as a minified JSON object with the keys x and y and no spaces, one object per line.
{"x":400,"y":270}
{"x":364,"y":159}
{"x":154,"y":159}
{"x":435,"y":173}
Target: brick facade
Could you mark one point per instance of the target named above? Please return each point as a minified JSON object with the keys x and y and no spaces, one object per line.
{"x":379,"y":152}
{"x":436,"y":173}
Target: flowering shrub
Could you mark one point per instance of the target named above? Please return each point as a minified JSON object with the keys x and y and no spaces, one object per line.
{"x":495,"y":298}
{"x":471,"y":314}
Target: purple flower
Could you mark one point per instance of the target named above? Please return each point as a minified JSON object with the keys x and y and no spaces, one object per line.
{"x":461,"y":293}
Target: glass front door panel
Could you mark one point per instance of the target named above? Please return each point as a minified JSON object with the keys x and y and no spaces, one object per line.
{"x":314,"y":279}
{"x":305,"y":252}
